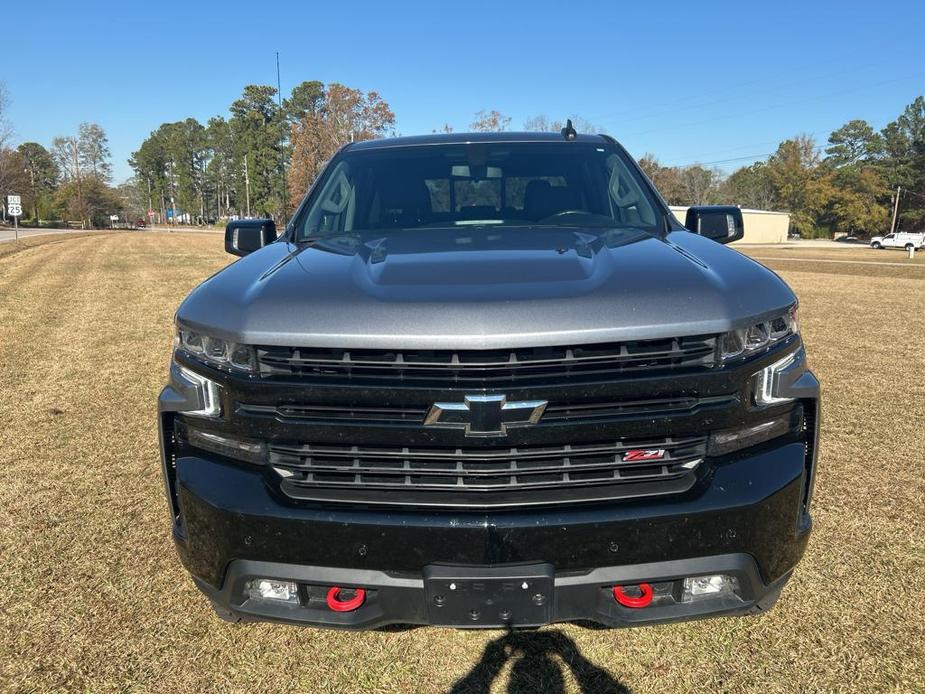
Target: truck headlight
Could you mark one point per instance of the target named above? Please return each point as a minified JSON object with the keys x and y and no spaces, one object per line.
{"x":754,"y":338}
{"x":217,"y":352}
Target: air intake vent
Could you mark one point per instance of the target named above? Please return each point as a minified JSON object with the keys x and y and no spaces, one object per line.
{"x":546,"y":364}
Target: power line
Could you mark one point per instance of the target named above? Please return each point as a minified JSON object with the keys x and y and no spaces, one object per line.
{"x":818,"y":149}
{"x":768,"y":108}
{"x":674,"y":105}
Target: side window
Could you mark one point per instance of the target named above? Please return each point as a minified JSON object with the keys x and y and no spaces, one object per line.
{"x":336,"y":204}
{"x":628,"y":203}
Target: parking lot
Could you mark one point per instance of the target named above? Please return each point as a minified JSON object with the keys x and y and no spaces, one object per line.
{"x":93,"y":597}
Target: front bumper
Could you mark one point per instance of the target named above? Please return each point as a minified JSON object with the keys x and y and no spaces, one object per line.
{"x":747,"y":517}
{"x":750,"y":522}
{"x":579,"y":598}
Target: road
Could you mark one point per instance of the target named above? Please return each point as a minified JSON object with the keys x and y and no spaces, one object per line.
{"x":7,"y":234}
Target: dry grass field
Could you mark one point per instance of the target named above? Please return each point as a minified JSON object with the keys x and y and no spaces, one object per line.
{"x":93,"y":598}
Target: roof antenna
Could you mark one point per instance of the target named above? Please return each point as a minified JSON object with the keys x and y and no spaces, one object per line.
{"x":568,"y":132}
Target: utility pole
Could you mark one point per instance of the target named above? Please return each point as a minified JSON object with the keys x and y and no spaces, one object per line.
{"x":247,"y":186}
{"x":80,"y":197}
{"x":35,"y":202}
{"x":895,"y":210}
{"x":282,"y":139}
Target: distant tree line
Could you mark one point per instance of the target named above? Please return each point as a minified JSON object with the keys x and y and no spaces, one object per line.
{"x":67,"y":181}
{"x":849,"y":185}
{"x":260,"y":160}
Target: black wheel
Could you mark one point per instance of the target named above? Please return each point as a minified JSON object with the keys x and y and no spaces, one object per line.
{"x":876,"y":244}
{"x":909,"y":246}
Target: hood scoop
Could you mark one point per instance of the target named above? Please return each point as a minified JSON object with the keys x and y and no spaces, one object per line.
{"x":480,"y":259}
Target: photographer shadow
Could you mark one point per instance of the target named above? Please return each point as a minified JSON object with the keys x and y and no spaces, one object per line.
{"x":536,"y":667}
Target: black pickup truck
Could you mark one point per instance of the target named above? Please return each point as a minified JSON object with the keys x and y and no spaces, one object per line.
{"x":487,"y":380}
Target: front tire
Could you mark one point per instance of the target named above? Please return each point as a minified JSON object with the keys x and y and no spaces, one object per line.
{"x":909,"y":247}
{"x":876,"y":245}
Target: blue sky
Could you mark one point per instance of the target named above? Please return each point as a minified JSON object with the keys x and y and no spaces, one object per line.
{"x":714,"y":82}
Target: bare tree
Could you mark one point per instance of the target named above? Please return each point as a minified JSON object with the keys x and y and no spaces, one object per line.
{"x":543,"y":124}
{"x":6,"y":128}
{"x":699,"y":184}
{"x":94,"y":151}
{"x":490,"y":122}
{"x":66,"y":153}
{"x":9,"y":161}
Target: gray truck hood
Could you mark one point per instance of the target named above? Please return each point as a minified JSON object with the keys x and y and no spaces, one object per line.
{"x":484,"y":289}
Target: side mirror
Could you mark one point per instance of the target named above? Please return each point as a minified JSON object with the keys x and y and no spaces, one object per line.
{"x":248,"y":235}
{"x":722,"y":223}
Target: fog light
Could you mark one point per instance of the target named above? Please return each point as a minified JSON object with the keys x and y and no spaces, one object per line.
{"x":242,"y":449}
{"x":271,"y":589}
{"x":704,"y":587}
{"x":730,"y":440}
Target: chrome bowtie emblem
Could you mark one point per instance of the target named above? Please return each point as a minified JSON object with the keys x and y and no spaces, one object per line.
{"x":485,"y":415}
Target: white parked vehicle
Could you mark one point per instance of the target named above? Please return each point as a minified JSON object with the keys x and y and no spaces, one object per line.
{"x":901,"y":239}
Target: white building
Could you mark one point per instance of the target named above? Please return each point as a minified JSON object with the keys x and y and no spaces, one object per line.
{"x":761,"y":226}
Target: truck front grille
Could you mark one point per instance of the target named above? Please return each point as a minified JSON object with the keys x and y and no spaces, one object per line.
{"x":350,"y":426}
{"x":545,"y":364}
{"x":487,"y":477}
{"x":384,"y":414}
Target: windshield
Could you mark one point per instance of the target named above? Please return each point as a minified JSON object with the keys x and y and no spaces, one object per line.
{"x":535,"y":184}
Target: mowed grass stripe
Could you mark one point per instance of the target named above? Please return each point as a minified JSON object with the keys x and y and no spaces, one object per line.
{"x":93,"y":597}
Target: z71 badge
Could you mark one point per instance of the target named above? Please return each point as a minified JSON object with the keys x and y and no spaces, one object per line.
{"x":640,"y":454}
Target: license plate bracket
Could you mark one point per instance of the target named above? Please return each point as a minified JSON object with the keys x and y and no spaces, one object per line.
{"x":519,"y":595}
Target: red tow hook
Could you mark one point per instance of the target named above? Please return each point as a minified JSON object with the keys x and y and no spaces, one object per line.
{"x":643,"y":600}
{"x":338,"y":605}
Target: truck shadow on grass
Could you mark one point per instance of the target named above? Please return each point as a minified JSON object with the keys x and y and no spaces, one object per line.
{"x":538,"y":659}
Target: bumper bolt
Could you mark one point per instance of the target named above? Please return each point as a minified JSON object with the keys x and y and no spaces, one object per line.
{"x":539,"y":599}
{"x":504,"y":615}
{"x":474,"y":615}
{"x":439,"y":600}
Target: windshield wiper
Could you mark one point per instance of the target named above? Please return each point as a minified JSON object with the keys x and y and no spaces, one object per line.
{"x":315,"y":238}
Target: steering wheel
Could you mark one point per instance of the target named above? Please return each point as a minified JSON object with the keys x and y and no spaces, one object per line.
{"x":565,"y":212}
